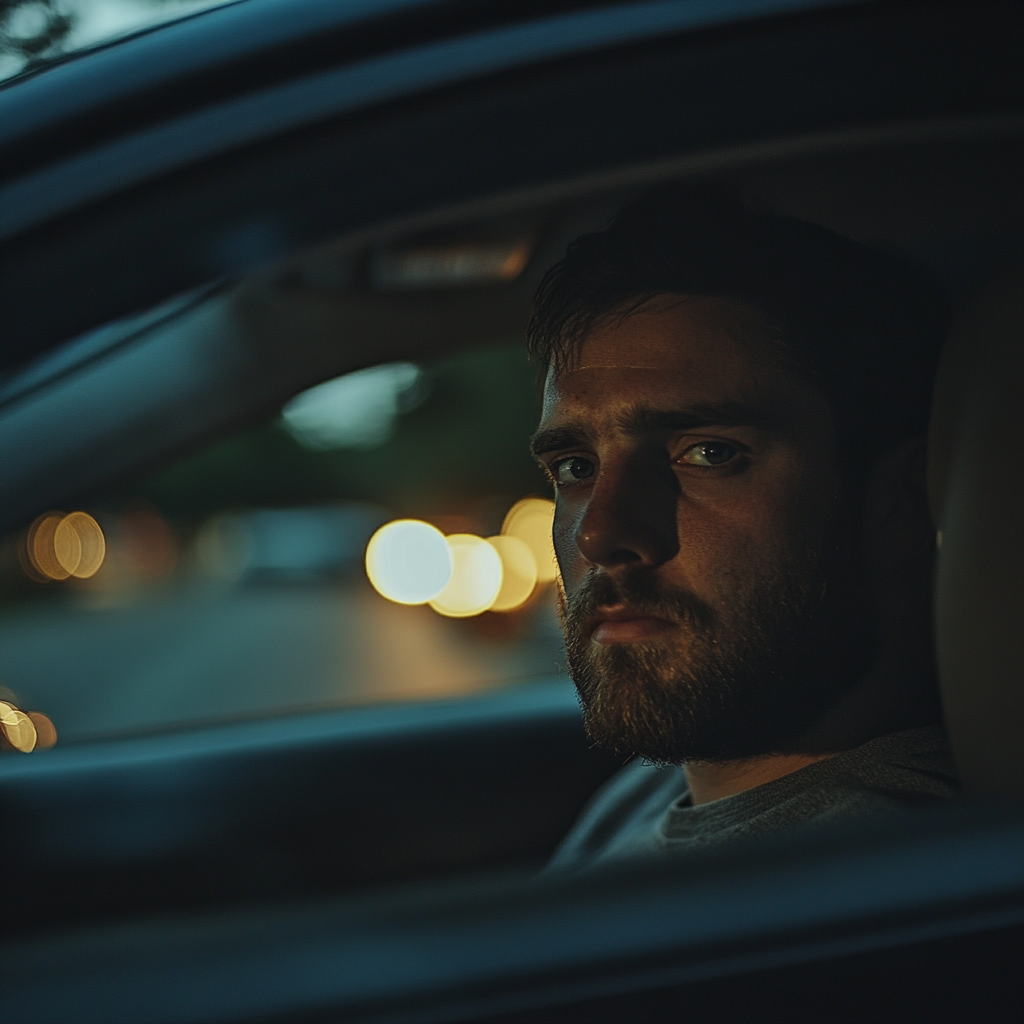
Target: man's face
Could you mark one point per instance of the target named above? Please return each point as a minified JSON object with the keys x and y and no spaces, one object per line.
{"x":706,"y":591}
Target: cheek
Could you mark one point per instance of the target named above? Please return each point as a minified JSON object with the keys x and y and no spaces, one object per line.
{"x":803,"y":511}
{"x":564,"y":535}
{"x":779,"y":521}
{"x":714,"y":546}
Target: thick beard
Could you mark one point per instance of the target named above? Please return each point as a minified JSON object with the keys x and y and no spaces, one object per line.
{"x":729,"y":685}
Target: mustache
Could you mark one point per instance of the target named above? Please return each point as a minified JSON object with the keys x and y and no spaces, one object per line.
{"x":639,"y":589}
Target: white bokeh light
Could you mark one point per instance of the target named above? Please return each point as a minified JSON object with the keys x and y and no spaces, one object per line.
{"x":408,"y":561}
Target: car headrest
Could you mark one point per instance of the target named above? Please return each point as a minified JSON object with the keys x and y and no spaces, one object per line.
{"x":976,"y":490}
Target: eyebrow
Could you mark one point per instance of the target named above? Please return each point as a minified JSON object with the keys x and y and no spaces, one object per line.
{"x":556,"y":439}
{"x":640,"y":420}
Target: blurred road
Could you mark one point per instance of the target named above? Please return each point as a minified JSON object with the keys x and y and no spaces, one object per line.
{"x":191,"y":654}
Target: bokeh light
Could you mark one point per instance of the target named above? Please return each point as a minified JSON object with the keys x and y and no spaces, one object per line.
{"x":147,"y":546}
{"x":531,"y":520}
{"x":80,"y":535}
{"x":404,"y":563}
{"x":409,"y":561}
{"x":67,"y":546}
{"x":46,"y":731}
{"x":476,"y":577}
{"x":18,"y":729}
{"x":59,"y":546}
{"x":39,"y":544}
{"x":519,"y":575}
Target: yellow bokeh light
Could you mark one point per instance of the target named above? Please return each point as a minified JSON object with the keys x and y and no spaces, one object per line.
{"x":531,"y":521}
{"x":476,"y":577}
{"x":40,"y":547}
{"x":409,"y":561}
{"x":519,"y":573}
{"x":86,"y":550}
{"x":18,"y":729}
{"x":67,"y":546}
{"x":59,"y":546}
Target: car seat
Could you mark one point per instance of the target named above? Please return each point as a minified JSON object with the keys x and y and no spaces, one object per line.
{"x":976,"y":491}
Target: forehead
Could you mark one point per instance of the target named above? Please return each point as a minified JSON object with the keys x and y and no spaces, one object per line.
{"x":675,"y":352}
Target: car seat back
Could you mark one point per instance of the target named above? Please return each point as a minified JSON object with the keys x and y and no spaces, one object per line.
{"x":976,"y":490}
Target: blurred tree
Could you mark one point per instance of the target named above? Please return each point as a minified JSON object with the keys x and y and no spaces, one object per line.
{"x":32,"y":30}
{"x":35,"y":31}
{"x":467,"y":441}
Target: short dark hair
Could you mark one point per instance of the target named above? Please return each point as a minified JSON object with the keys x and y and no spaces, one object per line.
{"x":862,"y":323}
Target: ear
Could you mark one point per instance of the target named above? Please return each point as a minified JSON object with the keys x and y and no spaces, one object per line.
{"x":898,"y":530}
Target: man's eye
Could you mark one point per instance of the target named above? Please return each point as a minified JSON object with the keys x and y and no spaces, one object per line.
{"x":710,"y":453}
{"x":568,"y":471}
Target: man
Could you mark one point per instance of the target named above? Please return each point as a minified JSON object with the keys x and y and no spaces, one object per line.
{"x":734,"y":407}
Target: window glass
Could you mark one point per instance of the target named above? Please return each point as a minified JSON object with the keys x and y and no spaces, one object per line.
{"x":233,"y":581}
{"x":35,"y":31}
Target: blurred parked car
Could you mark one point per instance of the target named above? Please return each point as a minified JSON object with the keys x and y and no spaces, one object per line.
{"x":289,"y":543}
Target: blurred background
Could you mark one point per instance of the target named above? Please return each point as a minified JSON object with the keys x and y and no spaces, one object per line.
{"x":232,"y":581}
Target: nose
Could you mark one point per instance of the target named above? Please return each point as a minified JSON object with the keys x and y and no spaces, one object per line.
{"x":630,"y":517}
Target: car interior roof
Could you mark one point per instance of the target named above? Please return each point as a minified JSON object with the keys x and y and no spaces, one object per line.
{"x":953,"y":204}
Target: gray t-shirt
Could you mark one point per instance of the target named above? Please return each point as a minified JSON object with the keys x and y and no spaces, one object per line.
{"x":647,"y":810}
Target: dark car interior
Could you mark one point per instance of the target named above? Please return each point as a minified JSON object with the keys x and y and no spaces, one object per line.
{"x":164,"y":289}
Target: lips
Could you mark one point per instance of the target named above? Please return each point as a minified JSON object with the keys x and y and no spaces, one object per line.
{"x":625,"y":625}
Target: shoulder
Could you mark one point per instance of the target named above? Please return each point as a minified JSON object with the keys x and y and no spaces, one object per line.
{"x":914,"y":764}
{"x":886,"y":775}
{"x":622,"y":817}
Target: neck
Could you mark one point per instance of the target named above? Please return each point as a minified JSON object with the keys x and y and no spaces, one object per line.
{"x":713,"y":780}
{"x":899,"y":693}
